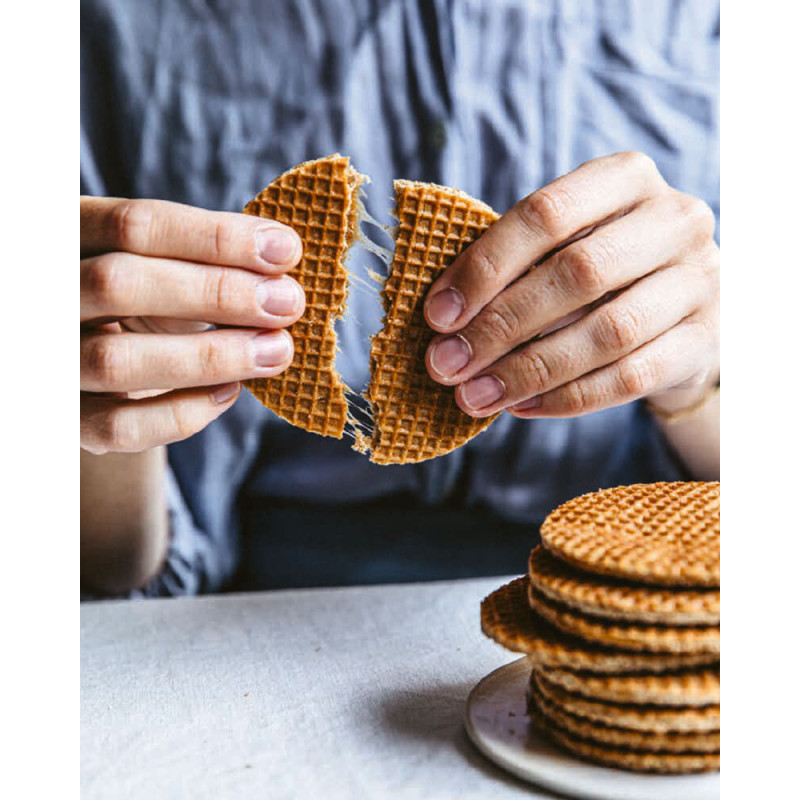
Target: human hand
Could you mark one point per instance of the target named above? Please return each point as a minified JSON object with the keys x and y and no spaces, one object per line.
{"x":155,"y":278}
{"x":622,"y":302}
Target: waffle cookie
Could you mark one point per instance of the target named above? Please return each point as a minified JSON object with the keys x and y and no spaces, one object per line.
{"x":639,"y":717}
{"x":695,"y":687}
{"x":416,"y":418}
{"x":623,"y":757}
{"x":507,"y":618}
{"x":660,"y":533}
{"x":318,"y":200}
{"x":613,"y":598}
{"x":623,"y":635}
{"x":610,"y":736}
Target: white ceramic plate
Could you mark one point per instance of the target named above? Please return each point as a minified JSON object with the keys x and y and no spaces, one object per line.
{"x":497,"y":723}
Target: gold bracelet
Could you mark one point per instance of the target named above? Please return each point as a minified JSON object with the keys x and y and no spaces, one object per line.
{"x":670,"y":417}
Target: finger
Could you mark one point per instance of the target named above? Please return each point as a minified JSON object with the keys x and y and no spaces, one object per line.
{"x":118,"y":285}
{"x":673,"y":359}
{"x":638,"y":315}
{"x":564,"y":285}
{"x":127,"y":362}
{"x":163,"y":325}
{"x":538,"y":224}
{"x":173,"y":230}
{"x":112,"y":425}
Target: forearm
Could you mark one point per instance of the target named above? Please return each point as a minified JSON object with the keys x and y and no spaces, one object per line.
{"x":695,"y":437}
{"x":124,"y":522}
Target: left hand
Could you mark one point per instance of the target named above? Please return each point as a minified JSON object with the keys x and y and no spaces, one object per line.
{"x":596,"y":290}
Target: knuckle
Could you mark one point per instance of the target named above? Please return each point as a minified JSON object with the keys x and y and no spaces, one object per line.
{"x":635,"y":377}
{"x":707,"y":326}
{"x":213,"y":359}
{"x":545,"y":212}
{"x":220,"y":293}
{"x":132,"y":224}
{"x":104,"y":361}
{"x":219,"y":239}
{"x":699,"y":215}
{"x":639,"y":162}
{"x":502,"y":323}
{"x":585,"y":272}
{"x":574,"y":399}
{"x":105,"y":281}
{"x":184,"y":422}
{"x":119,"y":432}
{"x":622,"y":328}
{"x":485,"y":264}
{"x":538,"y":373}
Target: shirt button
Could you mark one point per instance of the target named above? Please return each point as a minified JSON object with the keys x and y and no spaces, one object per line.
{"x":436,"y":136}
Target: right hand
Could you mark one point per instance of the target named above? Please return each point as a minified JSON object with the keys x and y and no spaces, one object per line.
{"x":155,"y":278}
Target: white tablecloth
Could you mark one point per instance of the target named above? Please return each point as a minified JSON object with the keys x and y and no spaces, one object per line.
{"x":328,"y":693}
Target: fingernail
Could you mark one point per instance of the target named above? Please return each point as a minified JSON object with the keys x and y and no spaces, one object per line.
{"x":270,"y":349}
{"x":529,"y":404}
{"x":281,"y":296}
{"x":482,"y":392}
{"x":224,"y":392}
{"x":446,"y":307}
{"x":277,"y":245}
{"x":450,"y":355}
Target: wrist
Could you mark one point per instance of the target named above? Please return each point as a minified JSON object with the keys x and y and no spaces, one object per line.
{"x":680,"y":403}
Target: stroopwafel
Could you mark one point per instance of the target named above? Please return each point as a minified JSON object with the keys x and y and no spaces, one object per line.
{"x":624,"y":758}
{"x":609,"y":736}
{"x":415,"y":417}
{"x":507,"y":618}
{"x":614,"y":598}
{"x":660,"y":533}
{"x":634,"y":716}
{"x":318,"y":200}
{"x":692,"y":687}
{"x":626,"y":636}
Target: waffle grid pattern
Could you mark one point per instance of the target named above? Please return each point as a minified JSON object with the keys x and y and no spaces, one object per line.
{"x":624,"y":635}
{"x":694,"y":687}
{"x":661,"y":533}
{"x":641,"y":717}
{"x":612,"y":736}
{"x":317,"y":199}
{"x":624,"y":757}
{"x":612,"y":577}
{"x":612,"y":598}
{"x":415,"y":417}
{"x":507,"y":618}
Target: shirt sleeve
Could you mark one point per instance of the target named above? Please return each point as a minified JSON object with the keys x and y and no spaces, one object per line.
{"x":191,"y":560}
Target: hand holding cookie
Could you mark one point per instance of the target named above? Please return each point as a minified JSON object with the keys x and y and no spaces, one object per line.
{"x":155,"y":279}
{"x":596,"y":290}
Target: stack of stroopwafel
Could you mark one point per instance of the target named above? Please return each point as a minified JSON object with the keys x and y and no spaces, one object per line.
{"x":619,"y":618}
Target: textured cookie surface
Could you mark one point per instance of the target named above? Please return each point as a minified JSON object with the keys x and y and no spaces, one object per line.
{"x":661,"y":533}
{"x":658,"y":719}
{"x":600,"y":733}
{"x":415,"y":417}
{"x":625,"y":758}
{"x":695,"y":687}
{"x":614,"y":598}
{"x":317,"y":199}
{"x":626,"y":635}
{"x":507,"y":618}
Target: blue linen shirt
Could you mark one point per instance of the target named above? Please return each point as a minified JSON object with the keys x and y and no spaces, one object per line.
{"x":205,"y":102}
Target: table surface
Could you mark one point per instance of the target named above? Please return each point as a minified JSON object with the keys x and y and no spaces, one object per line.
{"x":336,"y":693}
